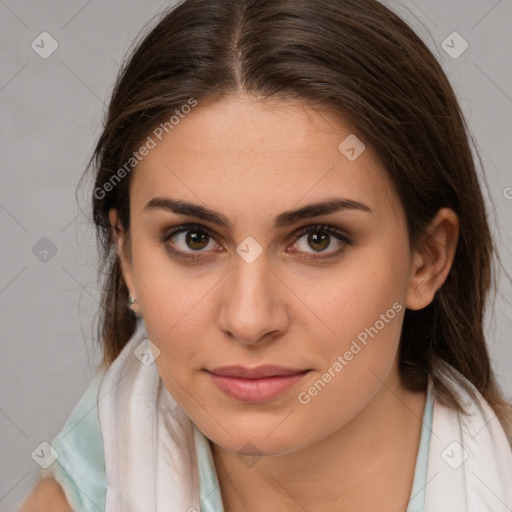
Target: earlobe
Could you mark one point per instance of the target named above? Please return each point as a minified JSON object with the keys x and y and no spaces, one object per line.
{"x":433,"y":259}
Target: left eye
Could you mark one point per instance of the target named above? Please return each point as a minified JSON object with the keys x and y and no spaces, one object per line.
{"x":196,"y":238}
{"x":321,"y":236}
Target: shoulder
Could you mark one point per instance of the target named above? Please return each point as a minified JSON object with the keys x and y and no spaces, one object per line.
{"x":47,"y":496}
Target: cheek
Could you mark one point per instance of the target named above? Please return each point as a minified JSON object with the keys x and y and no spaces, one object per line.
{"x":363,"y":313}
{"x":358,"y":358}
{"x":174,"y":304}
{"x":358,"y":298}
{"x":366,"y":315}
{"x":170,"y":293}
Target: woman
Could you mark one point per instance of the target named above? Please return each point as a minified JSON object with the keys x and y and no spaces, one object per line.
{"x":297,"y":263}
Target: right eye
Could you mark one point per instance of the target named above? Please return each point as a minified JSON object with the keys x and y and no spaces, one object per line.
{"x":189,"y":240}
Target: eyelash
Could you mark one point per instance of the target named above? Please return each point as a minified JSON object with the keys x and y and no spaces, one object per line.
{"x":339,"y":235}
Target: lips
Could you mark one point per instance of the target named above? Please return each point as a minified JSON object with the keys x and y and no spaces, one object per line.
{"x":268,"y":370}
{"x":255,"y":385}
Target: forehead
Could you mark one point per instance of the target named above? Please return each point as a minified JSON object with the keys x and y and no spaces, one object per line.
{"x":241,"y":151}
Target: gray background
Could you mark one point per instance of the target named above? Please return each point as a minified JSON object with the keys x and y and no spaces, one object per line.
{"x":51,"y":114}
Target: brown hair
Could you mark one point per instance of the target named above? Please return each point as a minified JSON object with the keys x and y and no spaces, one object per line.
{"x":360,"y":60}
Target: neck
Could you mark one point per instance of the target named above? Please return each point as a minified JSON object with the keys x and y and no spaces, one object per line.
{"x":367,"y":465}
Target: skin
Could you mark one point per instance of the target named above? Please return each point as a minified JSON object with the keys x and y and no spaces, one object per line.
{"x":354,"y":445}
{"x":47,"y":496}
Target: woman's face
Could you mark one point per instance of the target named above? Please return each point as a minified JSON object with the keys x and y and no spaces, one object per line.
{"x":243,"y":286}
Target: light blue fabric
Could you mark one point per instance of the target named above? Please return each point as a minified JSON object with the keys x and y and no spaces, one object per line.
{"x":80,"y":467}
{"x":417,"y":498}
{"x":210,"y":498}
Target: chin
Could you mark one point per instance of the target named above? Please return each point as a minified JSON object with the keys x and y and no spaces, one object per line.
{"x":257,"y":442}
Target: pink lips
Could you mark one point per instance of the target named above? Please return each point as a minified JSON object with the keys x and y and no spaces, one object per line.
{"x":257,"y":384}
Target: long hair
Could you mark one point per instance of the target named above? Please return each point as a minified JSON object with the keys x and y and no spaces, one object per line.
{"x":366,"y":65}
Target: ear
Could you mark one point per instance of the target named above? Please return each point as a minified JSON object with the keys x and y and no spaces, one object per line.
{"x":433,"y":259}
{"x":126,"y":266}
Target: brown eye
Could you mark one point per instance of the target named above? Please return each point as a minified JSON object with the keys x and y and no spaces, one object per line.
{"x":318,"y":241}
{"x":319,"y":238}
{"x":196,"y":239}
{"x":188,"y":242}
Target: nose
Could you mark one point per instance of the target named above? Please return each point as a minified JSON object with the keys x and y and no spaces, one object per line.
{"x":253,"y":306}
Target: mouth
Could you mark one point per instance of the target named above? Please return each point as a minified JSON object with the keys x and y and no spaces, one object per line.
{"x":256,"y":385}
{"x":267,"y":370}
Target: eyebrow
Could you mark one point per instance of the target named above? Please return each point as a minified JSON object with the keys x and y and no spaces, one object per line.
{"x":286,"y":218}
